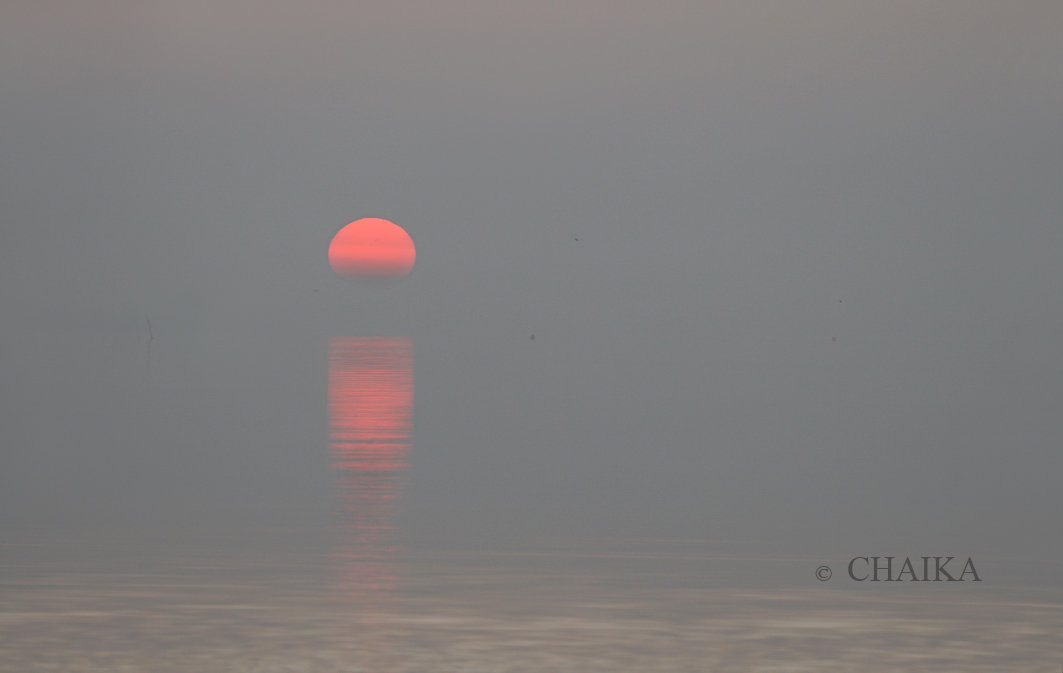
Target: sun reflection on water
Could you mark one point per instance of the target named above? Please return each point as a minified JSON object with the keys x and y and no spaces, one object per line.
{"x":370,"y":399}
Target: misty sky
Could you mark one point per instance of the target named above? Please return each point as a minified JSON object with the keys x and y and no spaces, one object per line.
{"x":816,"y":296}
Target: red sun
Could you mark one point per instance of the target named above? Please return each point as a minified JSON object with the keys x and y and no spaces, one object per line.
{"x":372,"y":248}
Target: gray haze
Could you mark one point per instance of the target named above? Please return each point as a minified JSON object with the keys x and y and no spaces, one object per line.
{"x":816,"y":299}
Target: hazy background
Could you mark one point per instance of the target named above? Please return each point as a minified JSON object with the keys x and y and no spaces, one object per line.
{"x":815,"y":303}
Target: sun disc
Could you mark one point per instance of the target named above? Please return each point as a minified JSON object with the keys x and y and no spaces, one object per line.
{"x":372,"y":247}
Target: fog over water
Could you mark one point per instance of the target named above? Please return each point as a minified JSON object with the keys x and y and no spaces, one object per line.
{"x":777,"y":282}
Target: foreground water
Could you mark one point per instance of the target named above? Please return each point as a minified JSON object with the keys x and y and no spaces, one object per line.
{"x":456,"y":584}
{"x":628,"y":606}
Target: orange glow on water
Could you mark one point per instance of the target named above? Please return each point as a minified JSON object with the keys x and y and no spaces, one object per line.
{"x":370,"y":400}
{"x":372,"y":248}
{"x":370,"y":408}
